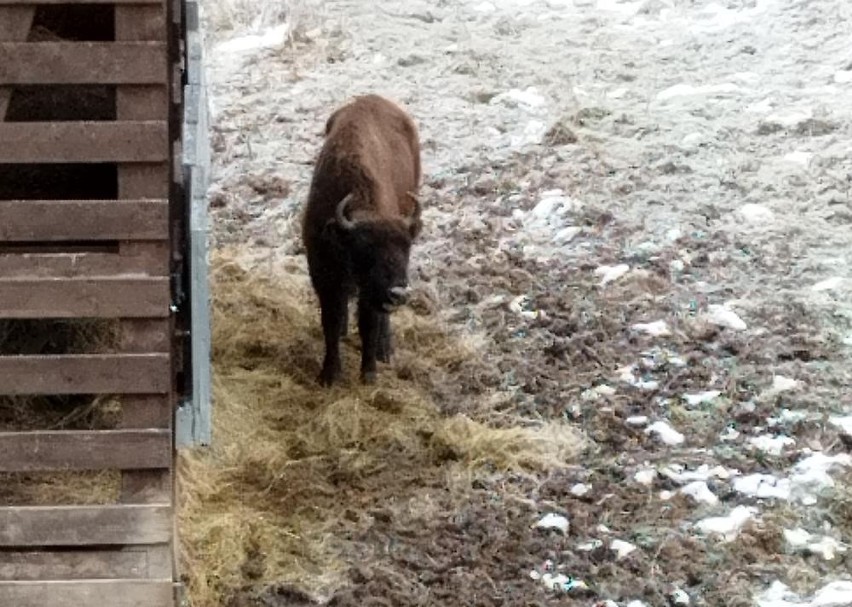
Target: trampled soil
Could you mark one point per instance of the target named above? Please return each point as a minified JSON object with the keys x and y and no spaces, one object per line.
{"x":589,"y":166}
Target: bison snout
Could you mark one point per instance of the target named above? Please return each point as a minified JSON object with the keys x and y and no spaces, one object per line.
{"x":399,"y":295}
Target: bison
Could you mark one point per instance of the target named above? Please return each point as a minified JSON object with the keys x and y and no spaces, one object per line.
{"x":361,"y":218}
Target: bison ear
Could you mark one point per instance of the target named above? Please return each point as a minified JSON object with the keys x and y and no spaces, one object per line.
{"x":415,"y":224}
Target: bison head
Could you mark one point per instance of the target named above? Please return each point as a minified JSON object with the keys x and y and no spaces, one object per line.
{"x":378,"y":250}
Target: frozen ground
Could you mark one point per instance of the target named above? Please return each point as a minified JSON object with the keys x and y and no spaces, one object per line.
{"x":641,"y":211}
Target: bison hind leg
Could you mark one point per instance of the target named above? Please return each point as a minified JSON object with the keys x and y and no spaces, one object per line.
{"x":385,"y":349}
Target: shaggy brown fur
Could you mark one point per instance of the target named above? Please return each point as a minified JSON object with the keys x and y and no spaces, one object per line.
{"x":361,"y":218}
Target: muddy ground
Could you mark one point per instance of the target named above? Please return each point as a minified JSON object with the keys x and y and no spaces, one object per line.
{"x":639,"y":212}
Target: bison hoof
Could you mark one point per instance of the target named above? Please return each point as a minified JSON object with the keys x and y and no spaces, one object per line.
{"x":327,"y":377}
{"x":384,"y":355}
{"x":368,"y":377}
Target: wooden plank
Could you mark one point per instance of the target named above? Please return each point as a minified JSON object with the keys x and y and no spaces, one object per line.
{"x":146,"y":336}
{"x":46,"y":142}
{"x":144,"y":180}
{"x":152,"y":261}
{"x":147,"y":486}
{"x":57,"y":220}
{"x":84,"y":450}
{"x":136,"y":23}
{"x":89,"y":593}
{"x":85,"y":525}
{"x":83,"y":63}
{"x":16,"y":22}
{"x":151,"y":102}
{"x":113,"y":297}
{"x":128,"y":563}
{"x":15,"y":25}
{"x":85,"y":374}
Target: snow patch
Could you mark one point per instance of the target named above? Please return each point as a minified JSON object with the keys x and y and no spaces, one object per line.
{"x":580,"y":489}
{"x":834,"y":594}
{"x":843,"y":77}
{"x":791,"y":117}
{"x":715,"y":17}
{"x":800,"y":540}
{"x":780,"y":383}
{"x":812,"y":472}
{"x":520,"y":306}
{"x":590,"y":546}
{"x":807,"y":477}
{"x":272,"y":37}
{"x":554,"y":521}
{"x":688,"y":90}
{"x":756,"y":213}
{"x":664,"y":432}
{"x":774,"y":445}
{"x":621,"y":548}
{"x":645,"y":476}
{"x":729,"y":434}
{"x":637,"y":420}
{"x":609,"y":274}
{"x":763,"y":486}
{"x":700,"y":492}
{"x":723,"y":316}
{"x":561,"y":582}
{"x":679,"y":597}
{"x":485,"y":7}
{"x":658,"y":328}
{"x":694,"y":400}
{"x":727,"y":526}
{"x":627,"y":375}
{"x":828,"y":284}
{"x":597,"y":392}
{"x":786,"y":417}
{"x":842,"y":422}
{"x":799,"y":157}
{"x":703,"y":473}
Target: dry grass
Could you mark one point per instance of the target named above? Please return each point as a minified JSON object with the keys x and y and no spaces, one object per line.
{"x":293,"y":468}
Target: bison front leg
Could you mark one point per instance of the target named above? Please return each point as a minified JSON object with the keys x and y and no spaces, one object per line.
{"x":333,"y":307}
{"x":369,"y":325}
{"x":385,"y":349}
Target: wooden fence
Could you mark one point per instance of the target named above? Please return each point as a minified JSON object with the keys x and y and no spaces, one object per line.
{"x":93,"y":225}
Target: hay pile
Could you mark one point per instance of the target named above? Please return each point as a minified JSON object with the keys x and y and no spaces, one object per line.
{"x":22,"y":413}
{"x":294,"y":470}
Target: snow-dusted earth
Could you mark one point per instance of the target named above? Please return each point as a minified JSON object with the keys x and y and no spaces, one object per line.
{"x":642,"y":210}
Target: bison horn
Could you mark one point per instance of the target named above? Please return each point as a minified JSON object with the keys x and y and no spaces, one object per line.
{"x":345,"y":223}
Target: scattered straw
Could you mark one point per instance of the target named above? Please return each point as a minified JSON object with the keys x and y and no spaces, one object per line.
{"x":294,"y":468}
